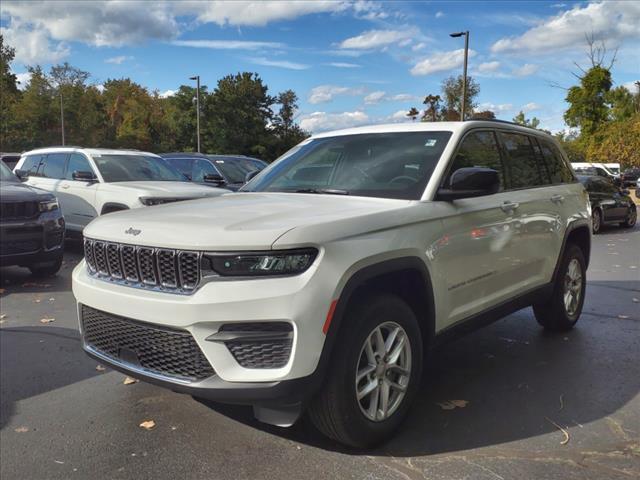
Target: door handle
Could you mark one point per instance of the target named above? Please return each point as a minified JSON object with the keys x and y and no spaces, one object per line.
{"x":557,"y":199}
{"x":509,"y":206}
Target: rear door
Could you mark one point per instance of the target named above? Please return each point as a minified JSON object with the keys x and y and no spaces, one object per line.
{"x":78,"y":197}
{"x":538,"y":216}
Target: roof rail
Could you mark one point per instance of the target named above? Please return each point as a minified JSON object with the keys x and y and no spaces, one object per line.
{"x":497,"y":120}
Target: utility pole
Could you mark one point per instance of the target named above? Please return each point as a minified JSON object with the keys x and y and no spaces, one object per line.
{"x":61,"y":117}
{"x":464,"y":76}
{"x":197,"y":79}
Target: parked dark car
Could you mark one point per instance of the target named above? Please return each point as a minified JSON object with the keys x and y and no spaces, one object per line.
{"x":609,"y":204}
{"x":31,"y":226}
{"x":10,"y":159}
{"x":225,"y":171}
{"x":630,"y":177}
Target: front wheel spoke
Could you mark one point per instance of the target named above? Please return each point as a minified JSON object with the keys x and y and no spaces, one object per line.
{"x":373,"y":403}
{"x":391,"y":339}
{"x":395,"y":353}
{"x":364,"y":371}
{"x":398,"y":369}
{"x":384,"y":399}
{"x":379,"y":342}
{"x":367,"y":389}
{"x":371,"y":357}
{"x":396,"y":386}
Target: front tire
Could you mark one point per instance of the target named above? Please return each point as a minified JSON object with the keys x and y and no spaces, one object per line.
{"x":48,"y":269}
{"x":561,"y":312}
{"x":596,"y":221}
{"x":374,"y":375}
{"x":632,"y":218}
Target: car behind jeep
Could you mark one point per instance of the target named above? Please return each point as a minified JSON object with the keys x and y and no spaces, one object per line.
{"x":320,"y":286}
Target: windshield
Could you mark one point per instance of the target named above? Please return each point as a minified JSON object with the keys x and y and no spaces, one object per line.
{"x":6,"y":175}
{"x":131,"y":168}
{"x":386,"y":165}
{"x":233,"y":170}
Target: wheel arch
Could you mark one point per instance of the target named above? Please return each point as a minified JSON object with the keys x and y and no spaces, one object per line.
{"x":577,"y":233}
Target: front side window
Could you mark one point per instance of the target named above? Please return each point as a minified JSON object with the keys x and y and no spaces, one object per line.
{"x":54,"y":165}
{"x":32,"y":164}
{"x":132,"y":168}
{"x":479,"y":149}
{"x":77,"y":163}
{"x":184,"y":165}
{"x":6,"y":175}
{"x":233,"y":170}
{"x":386,"y":165}
{"x":524,"y":171}
{"x":202,"y":168}
{"x":559,"y":171}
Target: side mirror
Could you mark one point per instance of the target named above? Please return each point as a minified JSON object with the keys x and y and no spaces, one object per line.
{"x":249,"y":176}
{"x":22,"y":174}
{"x":470,"y":182}
{"x":213,"y":178}
{"x":84,"y":176}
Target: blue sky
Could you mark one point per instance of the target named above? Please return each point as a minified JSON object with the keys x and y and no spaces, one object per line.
{"x":350,"y":62}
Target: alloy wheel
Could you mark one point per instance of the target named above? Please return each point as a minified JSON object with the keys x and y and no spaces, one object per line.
{"x":383,"y":371}
{"x":572,"y":287}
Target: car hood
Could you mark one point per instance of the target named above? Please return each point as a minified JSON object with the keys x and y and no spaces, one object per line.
{"x":169,"y":189}
{"x":237,"y":221}
{"x":21,"y":192}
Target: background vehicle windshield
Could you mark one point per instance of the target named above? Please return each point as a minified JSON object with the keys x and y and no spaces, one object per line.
{"x":233,"y":170}
{"x":131,"y":168}
{"x":6,"y":175}
{"x":387,"y":165}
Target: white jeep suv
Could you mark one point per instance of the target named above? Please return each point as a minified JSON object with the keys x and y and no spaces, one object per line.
{"x":320,"y":286}
{"x":91,"y":181}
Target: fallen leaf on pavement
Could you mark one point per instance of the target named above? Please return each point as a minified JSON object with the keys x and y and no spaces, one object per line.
{"x":451,"y":404}
{"x":47,"y":320}
{"x":37,"y":300}
{"x":100,"y":368}
{"x":561,"y":403}
{"x":563,"y":430}
{"x":3,"y":316}
{"x":623,"y":317}
{"x":148,"y":424}
{"x":636,"y":300}
{"x":59,"y":462}
{"x":51,"y":299}
{"x":129,"y":381}
{"x":21,"y":430}
{"x":1,"y":290}
{"x":32,"y":284}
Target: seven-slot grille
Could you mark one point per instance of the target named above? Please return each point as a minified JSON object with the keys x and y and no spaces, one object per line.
{"x":165,"y":351}
{"x":18,"y":210}
{"x":170,"y":270}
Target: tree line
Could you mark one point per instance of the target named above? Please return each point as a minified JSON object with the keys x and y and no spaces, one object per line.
{"x":239,"y":116}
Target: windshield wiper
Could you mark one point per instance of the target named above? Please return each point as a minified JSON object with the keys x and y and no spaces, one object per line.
{"x":328,"y":191}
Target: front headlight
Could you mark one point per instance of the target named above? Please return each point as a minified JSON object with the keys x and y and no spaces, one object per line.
{"x":252,"y":264}
{"x":48,"y":205}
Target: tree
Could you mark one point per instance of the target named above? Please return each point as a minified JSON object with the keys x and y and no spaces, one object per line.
{"x":9,"y":93}
{"x":238,"y":116}
{"x":588,"y":108}
{"x":624,"y":104}
{"x":617,"y":142}
{"x":520,"y":119}
{"x":413,"y":113}
{"x":433,"y":108}
{"x":287,"y":132}
{"x":484,"y":115}
{"x":452,"y":93}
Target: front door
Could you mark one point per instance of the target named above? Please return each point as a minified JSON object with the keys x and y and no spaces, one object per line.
{"x":77,"y":197}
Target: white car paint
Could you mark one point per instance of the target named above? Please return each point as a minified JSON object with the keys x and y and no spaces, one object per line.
{"x":83,"y":201}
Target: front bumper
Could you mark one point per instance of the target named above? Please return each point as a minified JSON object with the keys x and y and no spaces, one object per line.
{"x":301,"y":301}
{"x":29,"y":242}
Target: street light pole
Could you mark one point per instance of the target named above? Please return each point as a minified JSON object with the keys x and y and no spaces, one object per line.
{"x":197,"y":79}
{"x":61,"y":117}
{"x":464,"y":76}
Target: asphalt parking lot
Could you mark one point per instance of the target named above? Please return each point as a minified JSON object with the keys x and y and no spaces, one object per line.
{"x":62,"y":416}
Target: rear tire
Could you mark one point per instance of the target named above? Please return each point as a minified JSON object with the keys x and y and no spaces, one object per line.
{"x":561,"y":312}
{"x":48,"y":269}
{"x":596,"y":221}
{"x":632,"y":218}
{"x":359,"y":422}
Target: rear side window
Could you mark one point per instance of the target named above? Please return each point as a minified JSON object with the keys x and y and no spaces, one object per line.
{"x":524,"y":171}
{"x":558,"y":169}
{"x":77,"y":163}
{"x":32,"y":165}
{"x":183,"y":164}
{"x":479,"y":149}
{"x":54,"y":165}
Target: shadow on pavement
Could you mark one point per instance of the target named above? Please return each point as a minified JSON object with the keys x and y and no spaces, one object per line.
{"x":516,"y":378}
{"x":36,"y":360}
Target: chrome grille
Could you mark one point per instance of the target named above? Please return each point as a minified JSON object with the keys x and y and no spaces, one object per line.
{"x":156,"y":268}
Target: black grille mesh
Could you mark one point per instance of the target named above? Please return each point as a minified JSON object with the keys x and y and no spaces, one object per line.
{"x":171,"y":270}
{"x":260,"y":353}
{"x":164,"y":351}
{"x":16,"y":210}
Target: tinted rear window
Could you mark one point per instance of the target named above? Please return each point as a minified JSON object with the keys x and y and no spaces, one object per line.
{"x":54,"y":165}
{"x":522,"y":165}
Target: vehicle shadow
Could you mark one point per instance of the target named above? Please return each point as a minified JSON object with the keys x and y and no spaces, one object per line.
{"x":36,"y":360}
{"x":517,"y":380}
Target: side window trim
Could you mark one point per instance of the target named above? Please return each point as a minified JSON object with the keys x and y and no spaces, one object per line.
{"x":542,"y":162}
{"x":508,"y":177}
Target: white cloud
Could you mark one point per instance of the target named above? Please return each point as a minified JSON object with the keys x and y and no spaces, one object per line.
{"x":418,"y":46}
{"x":326,"y":93}
{"x":374,"y":97}
{"x":631,"y":86}
{"x":227,"y":44}
{"x":23,"y":79}
{"x":526,"y":70}
{"x":100,"y":88}
{"x":440,"y":62}
{"x":399,"y":116}
{"x":488,"y":67}
{"x":119,"y":59}
{"x":167,"y":93}
{"x":439,"y":14}
{"x":529,"y":107}
{"x":33,"y":46}
{"x":373,"y":39}
{"x":496,"y":108}
{"x":402,"y":97}
{"x":343,"y":65}
{"x":322,"y":121}
{"x":279,"y":63}
{"x":612,"y":21}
